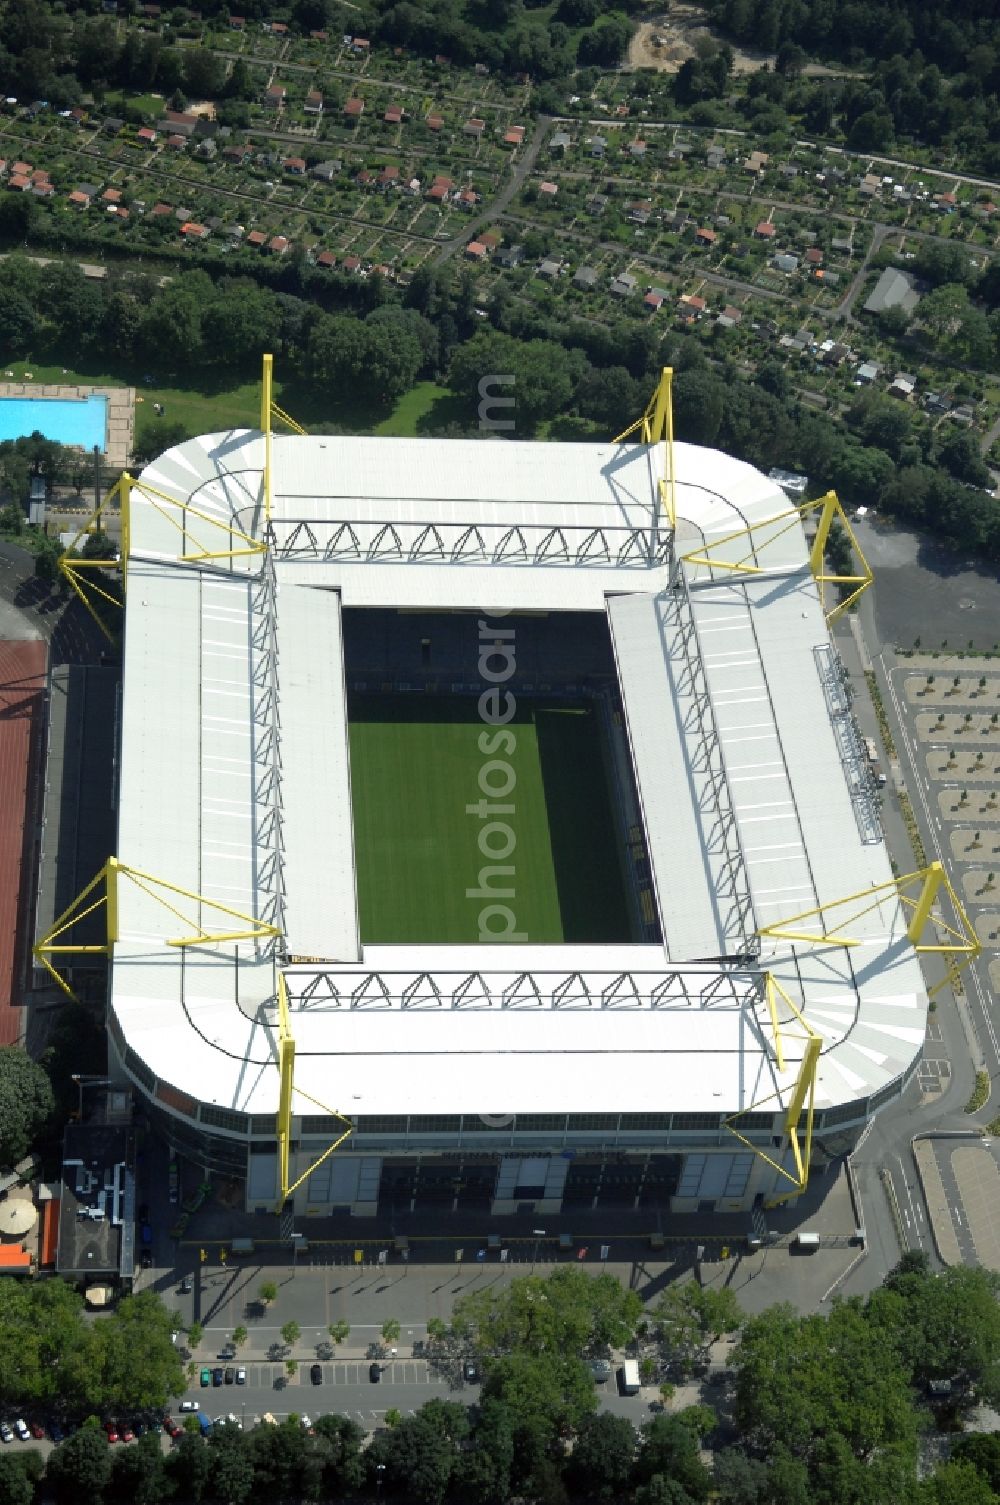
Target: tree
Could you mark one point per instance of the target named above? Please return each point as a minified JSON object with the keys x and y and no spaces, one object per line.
{"x":141,"y":1365}
{"x":240,"y":1336}
{"x":137,"y":1473}
{"x":339,"y":1331}
{"x":603,"y":1455}
{"x":538,"y":374}
{"x":956,"y":1484}
{"x":982,"y":1451}
{"x":566,"y":1314}
{"x":690,"y":1317}
{"x":268,"y":1292}
{"x":423,"y":1450}
{"x":343,"y":1468}
{"x":740,"y":1480}
{"x":390,"y":1330}
{"x":669,"y":1449}
{"x":188,"y":1467}
{"x":80,"y":1468}
{"x":15,"y":1486}
{"x":871,"y":132}
{"x":940,"y":312}
{"x":232,"y":1475}
{"x":944,"y":1326}
{"x":699,"y":402}
{"x":204,"y":73}
{"x":290,"y":1334}
{"x":25,"y":1102}
{"x":195,"y":1334}
{"x":541,"y":1394}
{"x":18,"y":323}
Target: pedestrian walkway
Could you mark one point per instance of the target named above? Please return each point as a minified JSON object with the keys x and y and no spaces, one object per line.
{"x":937,"y":1203}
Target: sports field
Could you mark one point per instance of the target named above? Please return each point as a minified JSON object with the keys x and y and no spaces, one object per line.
{"x":416,"y":763}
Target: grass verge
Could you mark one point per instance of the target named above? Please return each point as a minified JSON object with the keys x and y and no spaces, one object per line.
{"x":980,"y":1093}
{"x":880,"y":716}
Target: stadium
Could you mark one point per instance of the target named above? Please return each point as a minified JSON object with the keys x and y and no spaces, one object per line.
{"x":493,"y":829}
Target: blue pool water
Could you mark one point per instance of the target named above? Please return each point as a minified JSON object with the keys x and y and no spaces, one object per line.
{"x":81,"y":421}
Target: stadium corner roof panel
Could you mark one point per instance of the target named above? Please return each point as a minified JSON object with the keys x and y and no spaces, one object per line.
{"x":235,"y":782}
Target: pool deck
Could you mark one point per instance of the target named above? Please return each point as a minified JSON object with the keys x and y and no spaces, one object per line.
{"x":121,"y":412}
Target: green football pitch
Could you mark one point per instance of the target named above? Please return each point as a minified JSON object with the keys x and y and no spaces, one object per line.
{"x":416,"y":763}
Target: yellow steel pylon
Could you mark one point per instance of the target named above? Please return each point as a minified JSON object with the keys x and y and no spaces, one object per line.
{"x":960,"y":946}
{"x":829,"y":507}
{"x":106,"y":886}
{"x":71,"y":568}
{"x":269,"y":410}
{"x":657,"y":423}
{"x":803,"y":1095}
{"x":286,"y":1089}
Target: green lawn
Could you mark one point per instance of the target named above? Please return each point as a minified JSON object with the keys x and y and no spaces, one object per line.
{"x":415,"y":766}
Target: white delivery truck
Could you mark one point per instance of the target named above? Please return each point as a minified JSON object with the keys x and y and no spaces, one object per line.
{"x":628,"y":1377}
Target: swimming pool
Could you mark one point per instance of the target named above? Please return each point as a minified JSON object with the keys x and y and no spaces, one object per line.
{"x":79,"y":421}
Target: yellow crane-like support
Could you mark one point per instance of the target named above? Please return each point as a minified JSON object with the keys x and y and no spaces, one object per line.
{"x":286,"y":1091}
{"x":656,"y":424}
{"x":803,"y":1094}
{"x":269,"y":410}
{"x":105,"y":886}
{"x":75,"y":571}
{"x":759,"y":538}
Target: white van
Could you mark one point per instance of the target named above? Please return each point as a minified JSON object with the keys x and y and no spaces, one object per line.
{"x":807,"y":1242}
{"x":628,"y":1377}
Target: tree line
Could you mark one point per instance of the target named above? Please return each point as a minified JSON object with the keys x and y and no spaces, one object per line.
{"x":811,"y":1410}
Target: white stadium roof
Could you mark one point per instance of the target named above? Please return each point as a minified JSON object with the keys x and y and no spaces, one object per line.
{"x":235,"y":784}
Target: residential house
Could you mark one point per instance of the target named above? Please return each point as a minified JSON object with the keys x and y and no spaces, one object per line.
{"x":691,"y":307}
{"x":834,"y":352}
{"x":313,"y":103}
{"x":467,"y":199}
{"x":764,"y":230}
{"x":181,"y":122}
{"x":111,"y":196}
{"x":946,"y":203}
{"x":732,"y":315}
{"x":866,"y":374}
{"x":42,"y":188}
{"x":550,"y":267}
{"x":256,"y":238}
{"x":785,"y":263}
{"x":319,"y":36}
{"x":828,"y":279}
{"x":112,"y":125}
{"x":326,"y":171}
{"x":18,"y":182}
{"x":475,"y":250}
{"x":514,"y":136}
{"x":206,"y":149}
{"x":789,"y":170}
{"x":623,"y":285}
{"x":756,"y":163}
{"x":360,"y":45}
{"x":78,"y":200}
{"x":637,"y":149}
{"x":585,"y":278}
{"x":159,"y":210}
{"x":597,"y":203}
{"x":675,"y":220}
{"x":894,"y":289}
{"x":639,"y":213}
{"x":438,"y":191}
{"x":146,"y":136}
{"x":705,"y":237}
{"x":176,"y":143}
{"x":276,"y":28}
{"x":354,"y":108}
{"x":295,"y":166}
{"x":844,"y":246}
{"x":490,"y":239}
{"x":393,"y":115}
{"x":560,"y":141}
{"x":193,"y":231}
{"x":474,"y":127}
{"x":274,"y":96}
{"x":364,"y":178}
{"x":237,"y":155}
{"x":598,"y":146}
{"x":434,"y":122}
{"x":716,"y":157}
{"x":903,"y":386}
{"x":237,"y":23}
{"x":278,"y":244}
{"x":510,"y":256}
{"x":869,"y":186}
{"x":388,"y":177}
{"x":548,"y":190}
{"x":326,"y":259}
{"x":654,"y":299}
{"x":352,"y":263}
{"x":814,"y":256}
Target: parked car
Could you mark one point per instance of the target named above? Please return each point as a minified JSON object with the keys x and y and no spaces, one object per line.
{"x":112,"y":1430}
{"x":600,"y":1370}
{"x":37,"y":1430}
{"x":187,"y":1285}
{"x":206,"y":1376}
{"x":217,"y":1376}
{"x":189,"y":1405}
{"x":374,"y":1373}
{"x":172,"y":1426}
{"x":56,"y":1432}
{"x":316,"y":1374}
{"x":470,"y":1372}
{"x":21,"y":1428}
{"x":230,"y":1376}
{"x":241,"y":1376}
{"x":6,"y":1432}
{"x":126,"y":1433}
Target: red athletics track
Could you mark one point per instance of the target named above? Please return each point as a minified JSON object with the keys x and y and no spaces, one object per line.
{"x":22,"y":688}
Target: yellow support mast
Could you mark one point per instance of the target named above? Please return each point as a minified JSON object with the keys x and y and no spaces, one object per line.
{"x":656,"y":424}
{"x":286,"y":1089}
{"x":73,"y":570}
{"x":780,"y":523}
{"x":269,"y":410}
{"x":53,"y":944}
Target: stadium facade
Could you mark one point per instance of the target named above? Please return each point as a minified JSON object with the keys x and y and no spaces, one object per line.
{"x":666,"y":1071}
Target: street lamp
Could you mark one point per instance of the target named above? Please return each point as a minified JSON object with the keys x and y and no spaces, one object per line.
{"x":296,"y":1241}
{"x":539,"y":1235}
